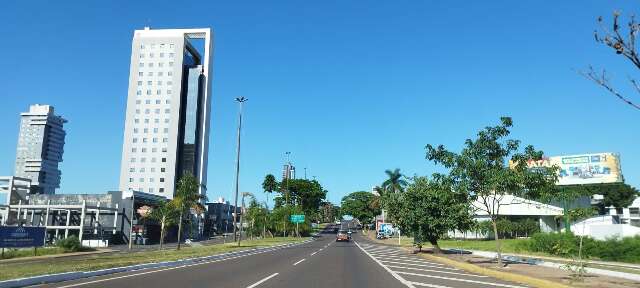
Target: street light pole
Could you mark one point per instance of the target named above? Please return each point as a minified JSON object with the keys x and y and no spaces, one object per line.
{"x":241,"y":101}
{"x":286,"y":195}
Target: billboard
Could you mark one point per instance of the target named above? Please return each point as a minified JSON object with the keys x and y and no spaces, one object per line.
{"x":16,"y":237}
{"x":584,"y":168}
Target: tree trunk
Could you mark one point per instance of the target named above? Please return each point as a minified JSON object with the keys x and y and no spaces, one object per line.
{"x":436,"y":247}
{"x":179,"y":231}
{"x":162,"y":233}
{"x":495,"y":233}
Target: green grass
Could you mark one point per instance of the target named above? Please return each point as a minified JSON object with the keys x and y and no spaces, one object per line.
{"x":507,"y":245}
{"x":104,"y":261}
{"x":28,"y":252}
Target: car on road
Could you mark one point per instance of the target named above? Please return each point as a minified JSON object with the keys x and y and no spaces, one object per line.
{"x":342,"y":236}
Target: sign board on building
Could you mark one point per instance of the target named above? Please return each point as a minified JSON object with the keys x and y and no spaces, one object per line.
{"x":297,"y":218}
{"x":584,"y":168}
{"x":16,"y":237}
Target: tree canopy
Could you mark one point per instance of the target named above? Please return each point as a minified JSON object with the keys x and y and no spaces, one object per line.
{"x":358,"y":205}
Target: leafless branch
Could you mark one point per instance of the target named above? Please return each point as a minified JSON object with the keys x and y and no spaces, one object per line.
{"x":602,"y":80}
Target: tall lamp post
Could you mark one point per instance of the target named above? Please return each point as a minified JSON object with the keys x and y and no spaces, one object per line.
{"x":240,"y":101}
{"x":286,"y":194}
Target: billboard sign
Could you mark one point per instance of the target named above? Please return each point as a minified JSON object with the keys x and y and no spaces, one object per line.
{"x":17,"y":237}
{"x":386,"y":229}
{"x":584,"y":168}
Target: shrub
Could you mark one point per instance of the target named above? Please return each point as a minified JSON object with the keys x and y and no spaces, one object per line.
{"x":69,"y":244}
{"x":560,"y":244}
{"x":566,"y":245}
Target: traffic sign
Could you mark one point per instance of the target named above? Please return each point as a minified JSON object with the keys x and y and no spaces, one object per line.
{"x":296,"y":218}
{"x":15,"y":237}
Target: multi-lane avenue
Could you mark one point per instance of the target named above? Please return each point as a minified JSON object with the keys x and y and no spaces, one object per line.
{"x":318,"y":263}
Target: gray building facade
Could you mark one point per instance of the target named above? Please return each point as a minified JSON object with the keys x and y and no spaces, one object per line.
{"x":40,"y":148}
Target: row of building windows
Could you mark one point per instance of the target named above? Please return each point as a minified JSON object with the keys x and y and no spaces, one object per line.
{"x":151,"y":64}
{"x":143,"y":160}
{"x":153,"y":46}
{"x":142,"y":169}
{"x":161,"y":55}
{"x":154,"y":140}
{"x":150,"y":190}
{"x":158,"y":101}
{"x":160,"y":73}
{"x":159,"y":83}
{"x":144,"y":150}
{"x":157,"y":111}
{"x":149,"y":92}
{"x":146,"y":130}
{"x":141,"y":180}
{"x":146,"y":120}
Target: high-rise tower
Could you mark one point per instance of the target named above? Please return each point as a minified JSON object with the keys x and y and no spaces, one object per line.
{"x":167,"y":125}
{"x":40,"y":148}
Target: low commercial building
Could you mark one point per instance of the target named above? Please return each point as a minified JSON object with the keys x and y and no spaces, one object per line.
{"x":219,"y":218}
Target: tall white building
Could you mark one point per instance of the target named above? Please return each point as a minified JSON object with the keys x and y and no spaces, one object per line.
{"x":40,"y":148}
{"x":167,"y":125}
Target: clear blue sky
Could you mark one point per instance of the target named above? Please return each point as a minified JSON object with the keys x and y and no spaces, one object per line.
{"x":351,"y":88}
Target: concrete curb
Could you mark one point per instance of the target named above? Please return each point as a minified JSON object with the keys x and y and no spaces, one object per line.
{"x":67,"y":276}
{"x":535,"y":282}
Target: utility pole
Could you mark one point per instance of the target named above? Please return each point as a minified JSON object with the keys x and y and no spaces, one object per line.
{"x":240,"y":100}
{"x":305,"y":173}
{"x":133,"y":201}
{"x":286,"y":194}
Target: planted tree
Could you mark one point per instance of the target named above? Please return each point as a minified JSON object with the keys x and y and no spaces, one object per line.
{"x":166,"y":213}
{"x":431,"y":208}
{"x":186,"y":198}
{"x":482,"y":170}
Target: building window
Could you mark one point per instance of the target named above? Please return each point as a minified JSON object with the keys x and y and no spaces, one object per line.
{"x":167,"y":111}
{"x":155,"y":130}
{"x":171,"y":55}
{"x":135,"y":130}
{"x":146,"y":121}
{"x":150,"y":65}
{"x":159,"y":73}
{"x":146,"y":130}
{"x":137,"y":121}
{"x":147,"y":101}
{"x":161,"y":190}
{"x":141,"y":180}
{"x":162,"y":169}
{"x":133,"y":160}
{"x":160,"y":64}
{"x":169,"y":73}
{"x":141,"y":46}
{"x":161,"y":179}
{"x":150,"y":190}
{"x":140,"y":64}
{"x":154,"y":149}
{"x":170,"y":64}
{"x":158,"y":111}
{"x":166,"y":130}
{"x":160,"y":83}
{"x":158,"y":92}
{"x":140,"y":74}
{"x":163,"y":160}
{"x":138,"y":92}
{"x":155,"y":140}
{"x":634,"y":211}
{"x":148,"y":92}
{"x":168,"y":91}
{"x":166,"y":120}
{"x":134,"y":150}
{"x":135,"y":140}
{"x":167,"y":101}
{"x":142,"y":160}
{"x":132,"y":170}
{"x":149,"y":83}
{"x":144,"y":150}
{"x":151,"y":54}
{"x":141,"y":55}
{"x":138,"y":101}
{"x":147,"y":111}
{"x":150,"y":179}
{"x":161,"y":55}
{"x":139,"y":83}
{"x":142,"y":169}
{"x":165,"y":140}
{"x":152,"y":169}
{"x":157,"y":101}
{"x":164,"y":149}
{"x":171,"y":46}
{"x":150,"y":74}
{"x":144,"y":140}
{"x":153,"y":160}
{"x":137,"y":111}
{"x":130,"y":179}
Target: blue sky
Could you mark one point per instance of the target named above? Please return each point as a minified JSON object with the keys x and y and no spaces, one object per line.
{"x":351,"y":88}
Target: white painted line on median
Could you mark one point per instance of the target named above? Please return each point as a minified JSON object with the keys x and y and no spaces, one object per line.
{"x":294,"y":264}
{"x":394,"y":274}
{"x":461,"y":280}
{"x":430,"y":285}
{"x":263,"y":280}
{"x":420,"y":265}
{"x":314,"y":253}
{"x":411,"y":261}
{"x":437,"y":271}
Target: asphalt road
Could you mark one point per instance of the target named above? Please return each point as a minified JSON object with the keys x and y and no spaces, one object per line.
{"x":319,"y":263}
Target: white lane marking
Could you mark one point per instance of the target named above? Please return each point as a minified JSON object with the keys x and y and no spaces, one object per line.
{"x":437,"y":271}
{"x":420,"y":265}
{"x":263,"y":280}
{"x":394,"y":274}
{"x":411,"y":261}
{"x":294,"y":264}
{"x":430,"y":285}
{"x":314,"y":253}
{"x":172,"y":268}
{"x":461,"y":280}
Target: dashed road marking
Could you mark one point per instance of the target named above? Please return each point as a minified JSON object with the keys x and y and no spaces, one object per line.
{"x":437,"y":271}
{"x":458,"y":279}
{"x":263,"y":280}
{"x":294,"y":264}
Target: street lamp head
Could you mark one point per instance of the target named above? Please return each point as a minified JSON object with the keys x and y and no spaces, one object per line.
{"x":241,"y":99}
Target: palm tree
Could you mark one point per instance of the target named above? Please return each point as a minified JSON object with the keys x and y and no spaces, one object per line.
{"x":186,"y":198}
{"x":394,"y":183}
{"x":165,"y":213}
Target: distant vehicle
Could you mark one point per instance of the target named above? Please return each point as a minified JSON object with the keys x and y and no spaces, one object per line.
{"x":342,"y":236}
{"x":338,"y":222}
{"x":349,"y":234}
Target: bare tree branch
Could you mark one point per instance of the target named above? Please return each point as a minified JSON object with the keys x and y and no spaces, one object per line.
{"x":603,"y":81}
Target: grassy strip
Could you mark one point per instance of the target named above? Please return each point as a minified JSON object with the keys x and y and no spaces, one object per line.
{"x":97,"y":262}
{"x":28,"y":252}
{"x":506,"y":276}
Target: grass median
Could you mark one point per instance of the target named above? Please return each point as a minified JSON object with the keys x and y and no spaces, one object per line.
{"x":97,"y":262}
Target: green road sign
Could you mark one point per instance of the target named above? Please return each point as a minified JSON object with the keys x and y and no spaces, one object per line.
{"x":296,"y":218}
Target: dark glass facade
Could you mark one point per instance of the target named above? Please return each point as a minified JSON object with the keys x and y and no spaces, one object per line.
{"x":191,"y":105}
